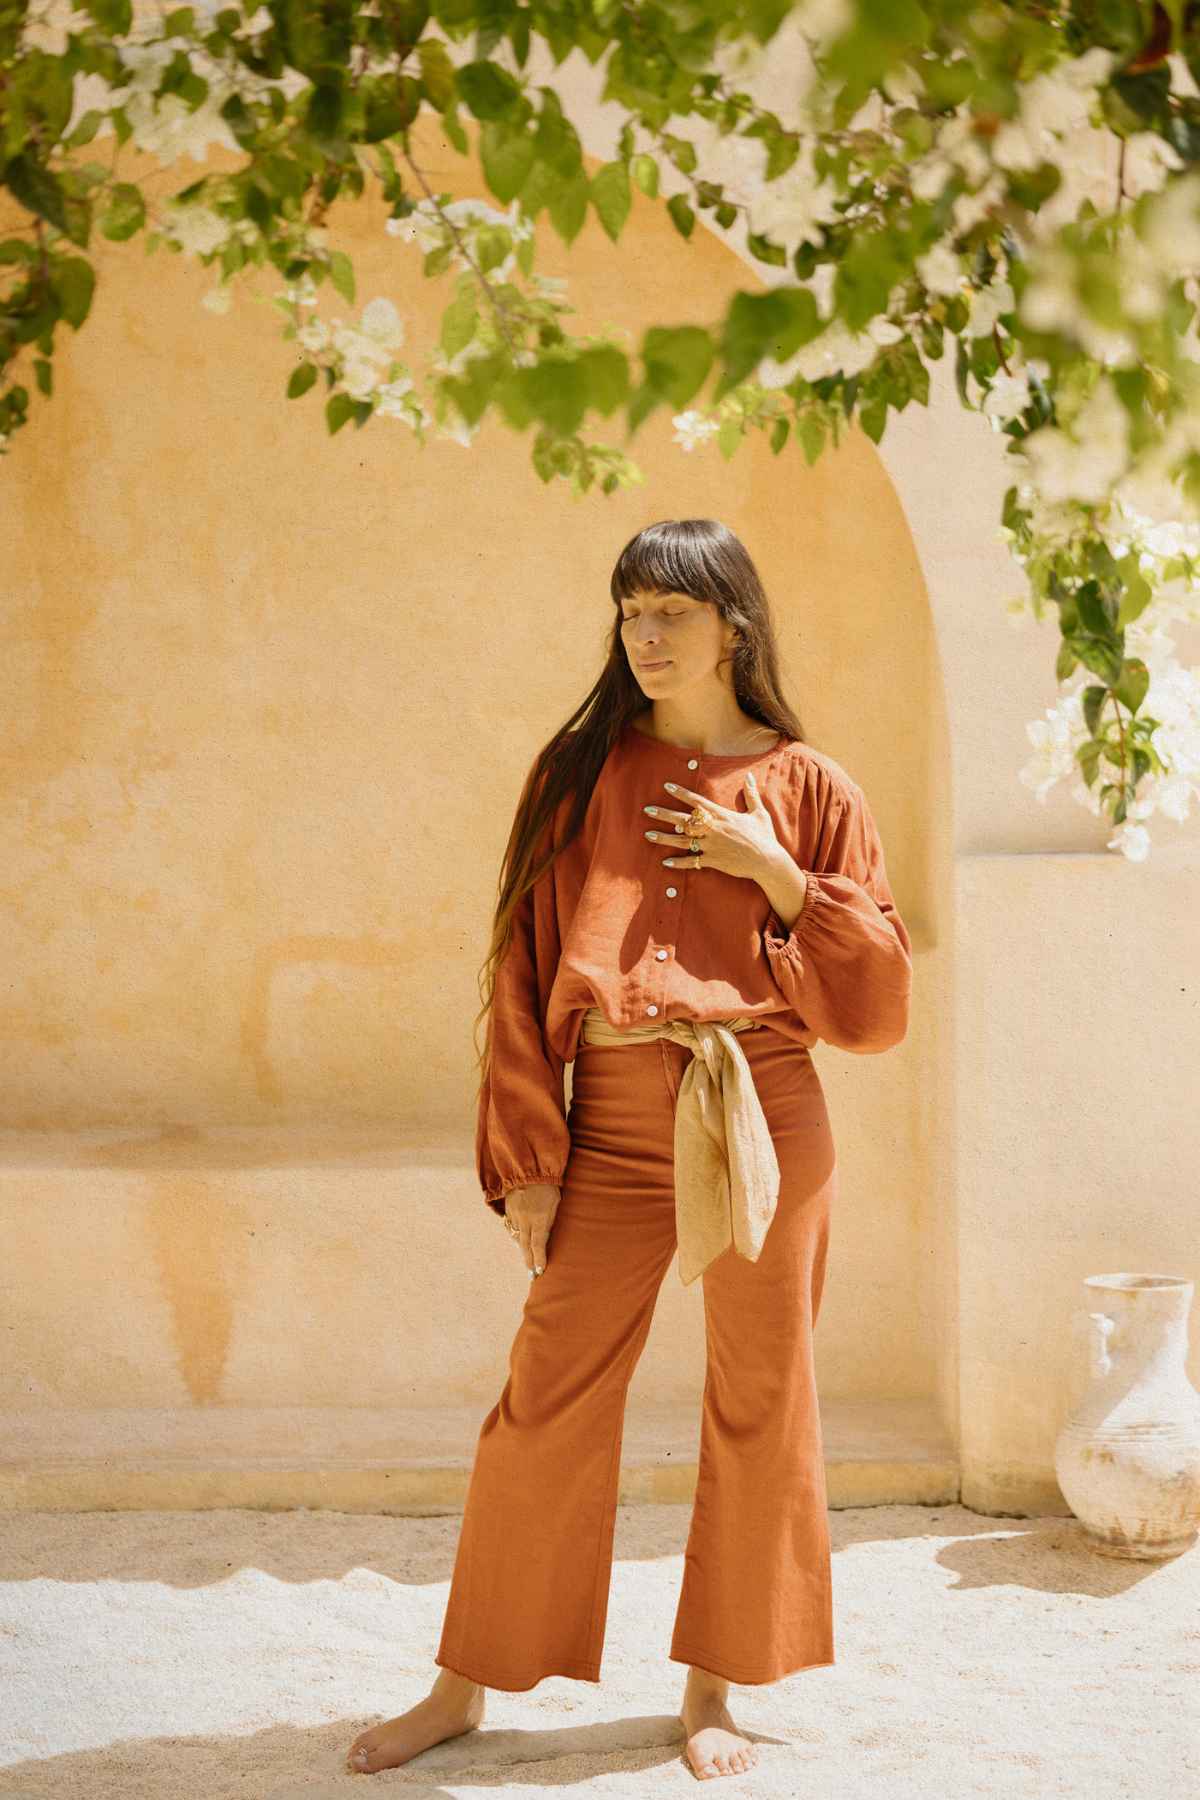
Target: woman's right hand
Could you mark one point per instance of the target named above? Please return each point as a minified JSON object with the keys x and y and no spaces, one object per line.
{"x":531,"y":1210}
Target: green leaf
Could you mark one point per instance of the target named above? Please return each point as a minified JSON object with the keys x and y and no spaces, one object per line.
{"x":452,"y":126}
{"x":112,"y":16}
{"x":1134,"y":681}
{"x":1094,"y":697}
{"x":773,"y":324}
{"x":779,"y":436}
{"x":557,"y":393}
{"x":611,"y":197}
{"x":341,"y":273}
{"x":489,"y":91}
{"x":873,"y":417}
{"x":682,"y":215}
{"x":507,"y":154}
{"x":810,"y":429}
{"x":459,"y":322}
{"x":568,"y":206}
{"x":301,"y":379}
{"x":125,"y":212}
{"x":324,"y":115}
{"x":390,"y":104}
{"x":437,"y":73}
{"x":73,"y":281}
{"x":606,"y":370}
{"x":645,"y":173}
{"x":86,"y":129}
{"x":338,"y":409}
{"x":492,"y":244}
{"x":677,"y":360}
{"x":37,"y":188}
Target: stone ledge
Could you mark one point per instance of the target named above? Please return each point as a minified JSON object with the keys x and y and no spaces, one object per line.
{"x":377,"y":1460}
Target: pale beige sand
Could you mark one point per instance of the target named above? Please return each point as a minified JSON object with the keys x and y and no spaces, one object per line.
{"x":206,"y":1655}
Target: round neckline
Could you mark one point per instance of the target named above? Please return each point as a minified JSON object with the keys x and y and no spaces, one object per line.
{"x":687,"y":750}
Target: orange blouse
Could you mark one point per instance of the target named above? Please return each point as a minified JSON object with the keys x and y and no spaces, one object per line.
{"x":609,"y":925}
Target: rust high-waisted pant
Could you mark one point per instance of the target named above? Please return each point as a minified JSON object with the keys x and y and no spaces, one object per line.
{"x":529,"y":1592}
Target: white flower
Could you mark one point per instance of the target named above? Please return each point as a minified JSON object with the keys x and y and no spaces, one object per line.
{"x":692,"y":429}
{"x":987,"y":304}
{"x":1007,"y":396}
{"x":792,"y":209}
{"x":314,"y":336}
{"x":1019,"y":610}
{"x":1149,"y":159}
{"x":1133,"y":841}
{"x":359,"y":377}
{"x":423,"y":226}
{"x":903,"y":85}
{"x":381,"y":321}
{"x":1053,"y":738}
{"x":1013,"y":146}
{"x":1060,"y":99}
{"x":457,"y":429}
{"x":824,"y":20}
{"x":1049,"y":302}
{"x":1086,"y":465}
{"x":217,"y":300}
{"x":969,"y":209}
{"x":1170,"y":227}
{"x":930,"y":175}
{"x":840,"y":349}
{"x":167,"y":129}
{"x":941,"y":270}
{"x":195,"y":227}
{"x":302,"y":292}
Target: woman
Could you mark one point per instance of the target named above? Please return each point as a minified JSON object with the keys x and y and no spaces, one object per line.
{"x":691,"y":897}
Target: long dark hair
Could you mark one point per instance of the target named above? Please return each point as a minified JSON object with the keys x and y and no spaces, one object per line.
{"x":700,"y":557}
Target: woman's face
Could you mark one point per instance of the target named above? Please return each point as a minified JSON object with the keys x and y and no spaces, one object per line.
{"x":688,"y":636}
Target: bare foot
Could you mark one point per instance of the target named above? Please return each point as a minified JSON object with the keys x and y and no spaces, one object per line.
{"x":453,"y":1705}
{"x":714,"y":1744}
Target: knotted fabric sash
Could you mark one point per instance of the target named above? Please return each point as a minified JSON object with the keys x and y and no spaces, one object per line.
{"x":726,"y":1170}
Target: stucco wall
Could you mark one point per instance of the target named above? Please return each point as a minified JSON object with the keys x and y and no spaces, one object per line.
{"x":271,"y":696}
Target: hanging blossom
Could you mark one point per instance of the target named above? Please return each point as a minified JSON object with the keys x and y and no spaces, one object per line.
{"x":428,"y":226}
{"x":1172,"y":696}
{"x":362,"y":356}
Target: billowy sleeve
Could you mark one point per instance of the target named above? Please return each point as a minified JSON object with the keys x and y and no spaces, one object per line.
{"x":521,"y":1133}
{"x":845,"y":967}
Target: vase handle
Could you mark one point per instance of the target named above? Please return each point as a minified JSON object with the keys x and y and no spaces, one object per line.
{"x":1102,"y":1328}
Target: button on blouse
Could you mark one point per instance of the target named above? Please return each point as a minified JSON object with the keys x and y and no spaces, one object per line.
{"x":602,"y":927}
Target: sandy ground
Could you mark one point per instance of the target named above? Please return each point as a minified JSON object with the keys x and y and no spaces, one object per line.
{"x":206,"y":1655}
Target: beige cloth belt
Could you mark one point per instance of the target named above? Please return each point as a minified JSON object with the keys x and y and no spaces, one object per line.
{"x":726,"y":1170}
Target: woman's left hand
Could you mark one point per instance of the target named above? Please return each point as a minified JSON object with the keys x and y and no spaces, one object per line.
{"x":738,"y":843}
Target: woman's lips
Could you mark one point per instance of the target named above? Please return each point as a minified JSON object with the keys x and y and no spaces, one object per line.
{"x":650,"y":667}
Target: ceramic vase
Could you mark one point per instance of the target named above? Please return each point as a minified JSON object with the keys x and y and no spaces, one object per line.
{"x":1128,"y":1457}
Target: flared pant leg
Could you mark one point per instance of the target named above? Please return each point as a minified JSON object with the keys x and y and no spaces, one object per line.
{"x":529,"y":1591}
{"x":756,"y":1602}
{"x":530,"y":1586}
